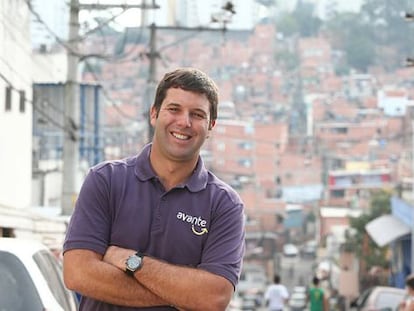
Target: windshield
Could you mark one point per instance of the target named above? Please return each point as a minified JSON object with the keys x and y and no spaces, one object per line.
{"x":17,"y":290}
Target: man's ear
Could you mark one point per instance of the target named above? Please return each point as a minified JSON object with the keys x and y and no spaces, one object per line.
{"x":212,"y":124}
{"x":153,"y":115}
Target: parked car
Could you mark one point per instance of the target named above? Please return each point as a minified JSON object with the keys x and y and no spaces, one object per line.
{"x":31,"y":278}
{"x":290,"y":250}
{"x":242,"y":303}
{"x":379,"y":298}
{"x":252,"y":284}
{"x":300,"y":289}
{"x":309,"y":249}
{"x":297,"y":301}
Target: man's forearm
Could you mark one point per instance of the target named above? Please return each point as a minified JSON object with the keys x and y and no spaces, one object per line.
{"x":90,"y":276}
{"x":182,"y":287}
{"x":185,"y":287}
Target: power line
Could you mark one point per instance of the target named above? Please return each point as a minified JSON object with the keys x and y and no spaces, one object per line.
{"x":50,"y":119}
{"x":107,"y":96}
{"x":49,"y":30}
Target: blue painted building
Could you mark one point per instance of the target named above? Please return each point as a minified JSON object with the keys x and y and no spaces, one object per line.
{"x":395,"y":230}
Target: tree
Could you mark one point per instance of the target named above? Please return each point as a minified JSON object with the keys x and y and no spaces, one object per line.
{"x":364,"y":247}
{"x":308,"y":24}
{"x":393,"y":35}
{"x":287,"y":25}
{"x":300,"y":22}
{"x":349,"y":33}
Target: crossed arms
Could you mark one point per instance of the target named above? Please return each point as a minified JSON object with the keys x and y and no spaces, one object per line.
{"x":157,"y":283}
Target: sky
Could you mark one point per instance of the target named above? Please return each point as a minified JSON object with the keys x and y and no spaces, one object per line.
{"x":200,"y":16}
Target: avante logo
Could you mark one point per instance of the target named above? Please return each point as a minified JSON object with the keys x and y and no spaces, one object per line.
{"x":198,"y":224}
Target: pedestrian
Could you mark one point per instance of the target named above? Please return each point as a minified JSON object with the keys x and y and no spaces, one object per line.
{"x":276,"y":295}
{"x":158,"y":231}
{"x":317,"y":297}
{"x":408,"y":303}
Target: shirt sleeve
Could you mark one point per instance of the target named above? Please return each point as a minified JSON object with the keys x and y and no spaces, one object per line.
{"x":89,"y":226}
{"x":225,"y":246}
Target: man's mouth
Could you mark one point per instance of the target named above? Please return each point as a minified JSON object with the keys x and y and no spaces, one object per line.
{"x":180,"y":136}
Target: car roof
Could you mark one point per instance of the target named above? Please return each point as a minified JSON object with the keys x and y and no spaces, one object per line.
{"x":298,"y":295}
{"x":21,"y":246}
{"x":387,"y":288}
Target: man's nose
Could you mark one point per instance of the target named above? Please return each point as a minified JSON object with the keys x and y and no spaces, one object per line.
{"x":185,"y":119}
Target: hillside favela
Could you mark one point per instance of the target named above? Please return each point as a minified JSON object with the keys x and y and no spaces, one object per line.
{"x":315,"y":133}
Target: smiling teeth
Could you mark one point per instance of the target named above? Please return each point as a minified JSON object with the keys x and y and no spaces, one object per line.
{"x":179,"y":136}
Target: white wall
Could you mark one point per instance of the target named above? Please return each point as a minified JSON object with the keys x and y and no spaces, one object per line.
{"x":49,"y":67}
{"x":15,"y":126}
{"x":392,"y":105}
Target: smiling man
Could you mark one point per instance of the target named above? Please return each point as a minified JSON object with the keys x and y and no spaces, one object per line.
{"x":158,"y":231}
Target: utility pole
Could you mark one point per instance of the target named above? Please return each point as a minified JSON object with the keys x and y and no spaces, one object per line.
{"x":152,"y":74}
{"x":409,"y":16}
{"x":71,"y":109}
{"x":72,"y":105}
{"x":410,"y":63}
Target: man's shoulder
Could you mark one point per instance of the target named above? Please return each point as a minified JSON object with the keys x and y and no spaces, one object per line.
{"x":117,"y":164}
{"x":221,"y":186}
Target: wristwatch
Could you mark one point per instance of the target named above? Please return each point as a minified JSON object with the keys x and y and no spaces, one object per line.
{"x":134,"y":263}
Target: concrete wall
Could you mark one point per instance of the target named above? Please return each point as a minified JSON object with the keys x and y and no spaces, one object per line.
{"x":15,"y":125}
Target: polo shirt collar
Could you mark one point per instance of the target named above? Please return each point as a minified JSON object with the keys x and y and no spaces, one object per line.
{"x":144,"y":171}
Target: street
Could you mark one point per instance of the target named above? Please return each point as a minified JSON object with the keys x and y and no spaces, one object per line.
{"x":296,"y":271}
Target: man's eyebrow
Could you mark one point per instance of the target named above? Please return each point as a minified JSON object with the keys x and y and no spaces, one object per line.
{"x":171,"y":105}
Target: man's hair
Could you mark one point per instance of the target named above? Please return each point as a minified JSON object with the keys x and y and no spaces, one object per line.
{"x":188,"y":79}
{"x":409,"y":281}
{"x":276,"y":279}
{"x":315,"y":280}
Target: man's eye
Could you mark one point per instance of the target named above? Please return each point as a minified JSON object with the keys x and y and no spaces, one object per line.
{"x":172,"y":109}
{"x":199,"y":116}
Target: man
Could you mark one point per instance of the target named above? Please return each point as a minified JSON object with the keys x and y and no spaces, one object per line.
{"x":316,"y":297}
{"x":157,"y":231}
{"x":408,"y":303}
{"x":276,"y":295}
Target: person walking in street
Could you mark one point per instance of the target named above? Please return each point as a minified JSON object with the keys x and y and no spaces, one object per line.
{"x":317,"y":297}
{"x":408,"y":303}
{"x":276,"y":295}
{"x":158,"y":231}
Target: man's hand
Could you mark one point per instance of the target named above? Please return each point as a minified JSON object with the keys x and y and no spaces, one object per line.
{"x":117,"y":256}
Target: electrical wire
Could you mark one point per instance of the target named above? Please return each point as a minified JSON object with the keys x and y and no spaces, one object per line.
{"x":108,"y":97}
{"x":49,"y":30}
{"x":44,"y":114}
{"x":69,"y":49}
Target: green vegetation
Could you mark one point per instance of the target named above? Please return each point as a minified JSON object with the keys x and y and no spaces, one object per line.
{"x":376,"y":36}
{"x":359,"y":241}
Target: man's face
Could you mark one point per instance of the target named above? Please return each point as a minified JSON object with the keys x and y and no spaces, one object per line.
{"x":182,"y":124}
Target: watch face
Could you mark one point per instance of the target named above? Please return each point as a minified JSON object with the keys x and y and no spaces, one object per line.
{"x":133,"y":262}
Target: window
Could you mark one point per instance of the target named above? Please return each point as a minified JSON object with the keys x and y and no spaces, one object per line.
{"x":343,"y":181}
{"x":17,"y":290}
{"x":52,"y":273}
{"x":338,"y":193}
{"x":247,"y":145}
{"x":7,"y":232}
{"x":221,"y":146}
{"x":22,"y":104}
{"x":245,"y":162}
{"x":339,"y":130}
{"x":8,"y":98}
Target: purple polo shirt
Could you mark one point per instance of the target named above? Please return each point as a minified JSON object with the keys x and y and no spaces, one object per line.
{"x":199,"y":223}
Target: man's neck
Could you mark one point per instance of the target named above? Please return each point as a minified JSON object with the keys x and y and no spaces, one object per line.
{"x":172,"y":173}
